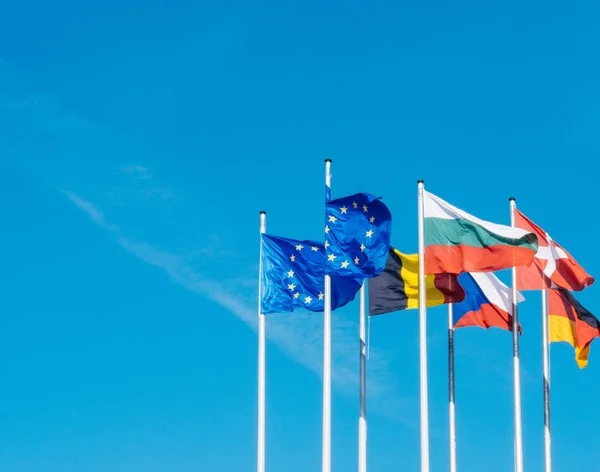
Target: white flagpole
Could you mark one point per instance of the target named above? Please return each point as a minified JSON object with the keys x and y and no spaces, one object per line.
{"x":362,"y":420}
{"x":546,"y":361}
{"x":326,"y":455}
{"x":516,"y":359}
{"x":260,"y":460}
{"x":451,"y":404}
{"x":423,"y":334}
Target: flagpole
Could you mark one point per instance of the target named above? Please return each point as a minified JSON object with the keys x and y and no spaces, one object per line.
{"x":326,"y":454}
{"x":546,"y":362}
{"x":362,"y":420}
{"x":516,"y":359}
{"x":423,"y":334}
{"x":260,"y":462}
{"x":451,"y":403}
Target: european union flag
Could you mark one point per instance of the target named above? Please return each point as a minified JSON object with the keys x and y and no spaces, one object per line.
{"x":293,"y":274}
{"x":357,"y":235}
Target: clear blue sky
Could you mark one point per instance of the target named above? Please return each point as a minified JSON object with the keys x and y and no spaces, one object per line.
{"x":138,"y":142}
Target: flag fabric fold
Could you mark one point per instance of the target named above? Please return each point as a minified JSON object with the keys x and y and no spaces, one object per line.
{"x":357,"y":235}
{"x":293,"y":277}
{"x":457,"y":242}
{"x":569,"y":321}
{"x":397,"y":287}
{"x":552,"y":265}
{"x":487,"y":303}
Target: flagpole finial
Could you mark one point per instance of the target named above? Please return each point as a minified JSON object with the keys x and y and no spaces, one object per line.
{"x":327,"y":160}
{"x":263,"y":212}
{"x":420,"y":181}
{"x":512,"y":199}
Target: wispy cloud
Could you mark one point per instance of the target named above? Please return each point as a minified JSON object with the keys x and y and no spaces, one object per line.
{"x":299,"y":335}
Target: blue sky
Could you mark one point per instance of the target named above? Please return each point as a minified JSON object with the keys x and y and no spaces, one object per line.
{"x":138,"y":142}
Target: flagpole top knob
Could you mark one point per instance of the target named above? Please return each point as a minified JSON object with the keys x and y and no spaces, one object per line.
{"x":263,"y":212}
{"x":512,"y":199}
{"x":420,"y":181}
{"x":327,"y":160}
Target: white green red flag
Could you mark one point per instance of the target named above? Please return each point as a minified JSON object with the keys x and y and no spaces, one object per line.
{"x":552,"y":267}
{"x":457,"y":242}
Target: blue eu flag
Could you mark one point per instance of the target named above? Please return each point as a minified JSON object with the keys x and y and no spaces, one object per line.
{"x":357,"y":235}
{"x":293,"y":275}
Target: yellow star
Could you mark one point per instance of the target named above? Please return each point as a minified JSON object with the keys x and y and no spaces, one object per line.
{"x":331,"y":257}
{"x":362,"y":248}
{"x":290,"y":273}
{"x":315,"y":248}
{"x":326,"y":244}
{"x":307,"y":300}
{"x":365,"y":209}
{"x":291,"y":286}
{"x":345,"y":264}
{"x":355,"y":205}
{"x":332,"y":219}
{"x":369,"y":233}
{"x":372,"y":219}
{"x":327,"y":229}
{"x":292,"y":258}
{"x":296,"y":295}
{"x":299,"y":247}
{"x":320,"y":296}
{"x":344,"y":209}
{"x":356,"y":260}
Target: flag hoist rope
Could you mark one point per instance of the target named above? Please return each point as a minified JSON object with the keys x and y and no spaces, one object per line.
{"x":260,"y":458}
{"x":516,"y":360}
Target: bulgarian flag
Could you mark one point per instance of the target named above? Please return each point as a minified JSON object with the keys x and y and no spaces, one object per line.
{"x":552,"y":267}
{"x":457,"y":242}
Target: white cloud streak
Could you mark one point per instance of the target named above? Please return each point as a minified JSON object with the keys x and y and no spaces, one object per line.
{"x":299,"y":335}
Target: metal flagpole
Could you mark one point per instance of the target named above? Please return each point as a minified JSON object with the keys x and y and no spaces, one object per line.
{"x":516,"y":360}
{"x":362,"y":420}
{"x":326,"y":455}
{"x":546,"y":361}
{"x":260,"y":460}
{"x":451,"y":404}
{"x":423,"y":334}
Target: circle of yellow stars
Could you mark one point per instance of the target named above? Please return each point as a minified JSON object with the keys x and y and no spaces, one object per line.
{"x":368,"y":234}
{"x":290,"y":275}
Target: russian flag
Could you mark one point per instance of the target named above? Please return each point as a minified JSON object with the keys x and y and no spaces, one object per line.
{"x":488,"y":302}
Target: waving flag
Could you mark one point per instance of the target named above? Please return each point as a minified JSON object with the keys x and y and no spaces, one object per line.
{"x":293,"y":277}
{"x":552,"y":265}
{"x":570,"y":322}
{"x":357,"y":235}
{"x":487,"y":303}
{"x":397,"y":287}
{"x":457,"y":242}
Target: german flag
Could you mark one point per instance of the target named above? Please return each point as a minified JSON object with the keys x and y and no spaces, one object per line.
{"x":397,"y":287}
{"x":569,"y":321}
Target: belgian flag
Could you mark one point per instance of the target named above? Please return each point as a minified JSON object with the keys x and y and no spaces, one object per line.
{"x":569,"y":321}
{"x":397,"y":287}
